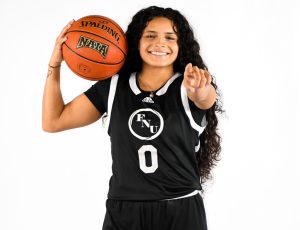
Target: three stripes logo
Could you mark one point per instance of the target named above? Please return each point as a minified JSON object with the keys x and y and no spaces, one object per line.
{"x":148,"y":100}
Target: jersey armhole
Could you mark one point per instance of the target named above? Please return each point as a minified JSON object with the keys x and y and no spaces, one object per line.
{"x":110,"y":100}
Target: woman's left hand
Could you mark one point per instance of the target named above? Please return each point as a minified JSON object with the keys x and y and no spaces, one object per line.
{"x":197,"y":82}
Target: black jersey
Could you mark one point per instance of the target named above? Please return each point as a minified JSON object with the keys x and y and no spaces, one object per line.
{"x":154,"y":138}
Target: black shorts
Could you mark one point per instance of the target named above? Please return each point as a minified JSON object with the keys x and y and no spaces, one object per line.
{"x":178,"y":214}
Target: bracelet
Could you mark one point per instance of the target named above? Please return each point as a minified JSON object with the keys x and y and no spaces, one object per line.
{"x":53,"y":67}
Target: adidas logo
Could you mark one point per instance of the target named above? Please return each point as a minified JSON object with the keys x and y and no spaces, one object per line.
{"x":148,"y":100}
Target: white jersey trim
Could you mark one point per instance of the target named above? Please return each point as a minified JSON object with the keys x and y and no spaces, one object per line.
{"x":164,"y":89}
{"x":135,"y":89}
{"x":111,"y":96}
{"x":185,"y":102}
{"x":198,"y":146}
{"x":132,"y":83}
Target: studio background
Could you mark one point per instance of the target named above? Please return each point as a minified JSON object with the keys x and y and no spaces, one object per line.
{"x":60,"y":181}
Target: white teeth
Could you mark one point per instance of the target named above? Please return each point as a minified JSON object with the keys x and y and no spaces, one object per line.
{"x":158,"y":53}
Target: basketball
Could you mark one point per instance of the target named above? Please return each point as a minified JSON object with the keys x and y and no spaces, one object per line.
{"x":95,"y":48}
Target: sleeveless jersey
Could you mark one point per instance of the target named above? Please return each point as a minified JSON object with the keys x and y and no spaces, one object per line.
{"x":154,"y":139}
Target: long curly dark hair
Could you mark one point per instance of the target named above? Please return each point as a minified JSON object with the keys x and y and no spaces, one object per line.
{"x":189,"y":52}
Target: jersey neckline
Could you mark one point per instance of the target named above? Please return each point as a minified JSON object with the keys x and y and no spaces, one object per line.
{"x":136,"y":90}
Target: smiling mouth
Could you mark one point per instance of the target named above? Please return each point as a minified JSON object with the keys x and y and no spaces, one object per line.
{"x":158,"y":53}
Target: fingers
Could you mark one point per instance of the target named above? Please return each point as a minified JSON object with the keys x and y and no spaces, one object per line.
{"x":192,"y":75}
{"x":203,"y":79}
{"x":196,"y":78}
{"x":56,"y":57}
{"x":62,"y":36}
{"x":65,"y":29}
{"x":208,"y":77}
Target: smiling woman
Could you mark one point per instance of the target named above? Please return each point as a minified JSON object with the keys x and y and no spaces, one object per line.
{"x":158,"y":45}
{"x":160,"y":112}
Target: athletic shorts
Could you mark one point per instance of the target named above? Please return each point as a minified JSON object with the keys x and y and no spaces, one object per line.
{"x":177,"y":214}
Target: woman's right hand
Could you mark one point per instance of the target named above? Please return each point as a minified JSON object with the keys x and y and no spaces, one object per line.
{"x":57,"y":57}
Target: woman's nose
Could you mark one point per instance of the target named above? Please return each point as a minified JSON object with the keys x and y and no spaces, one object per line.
{"x":160,"y":42}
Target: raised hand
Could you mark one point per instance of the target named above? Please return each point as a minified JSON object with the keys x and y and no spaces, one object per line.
{"x":197,"y":82}
{"x":56,"y":57}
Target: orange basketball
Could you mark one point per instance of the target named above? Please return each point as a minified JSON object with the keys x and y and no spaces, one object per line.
{"x":96,"y":47}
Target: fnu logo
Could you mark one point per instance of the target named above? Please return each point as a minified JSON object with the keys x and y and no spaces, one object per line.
{"x":146,"y":124}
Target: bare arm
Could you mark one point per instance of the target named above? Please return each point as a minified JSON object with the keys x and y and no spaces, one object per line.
{"x":199,"y":88}
{"x":56,"y":115}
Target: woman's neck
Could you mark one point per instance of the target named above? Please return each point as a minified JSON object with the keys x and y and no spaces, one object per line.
{"x":151,"y":79}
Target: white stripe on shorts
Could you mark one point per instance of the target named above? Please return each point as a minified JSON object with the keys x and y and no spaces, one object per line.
{"x":188,"y":195}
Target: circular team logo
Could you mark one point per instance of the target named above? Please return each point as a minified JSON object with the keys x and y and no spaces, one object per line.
{"x":146,"y":124}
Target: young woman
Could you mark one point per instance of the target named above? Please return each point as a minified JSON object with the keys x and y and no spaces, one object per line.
{"x":160,"y":110}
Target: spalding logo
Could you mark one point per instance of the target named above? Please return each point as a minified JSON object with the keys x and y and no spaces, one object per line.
{"x":102,"y":25}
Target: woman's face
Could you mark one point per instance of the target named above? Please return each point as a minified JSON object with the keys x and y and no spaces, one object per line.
{"x":158,"y":44}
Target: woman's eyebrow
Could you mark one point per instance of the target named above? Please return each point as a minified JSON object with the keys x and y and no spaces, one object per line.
{"x":152,"y":31}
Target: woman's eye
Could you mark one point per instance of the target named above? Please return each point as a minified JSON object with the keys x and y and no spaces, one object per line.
{"x":150,"y":36}
{"x":170,"y":38}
